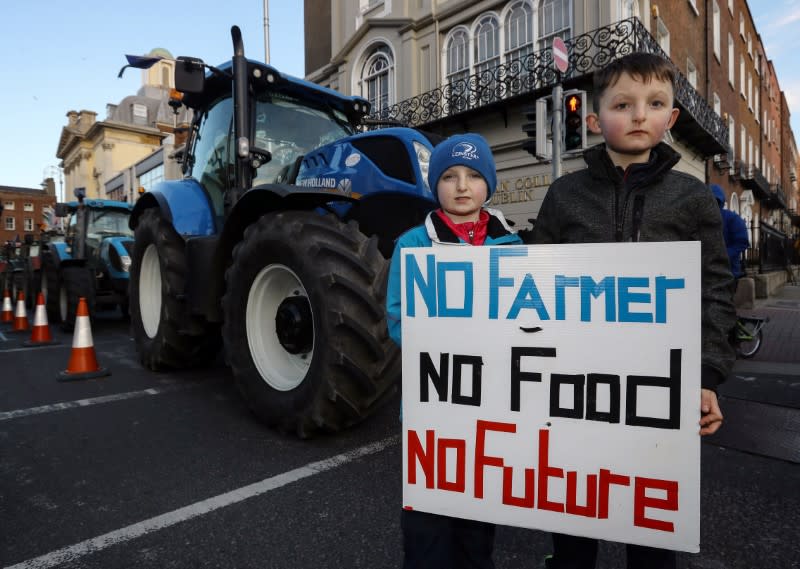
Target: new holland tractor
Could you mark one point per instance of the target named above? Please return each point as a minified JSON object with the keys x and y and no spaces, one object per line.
{"x":275,"y":244}
{"x":92,"y":260}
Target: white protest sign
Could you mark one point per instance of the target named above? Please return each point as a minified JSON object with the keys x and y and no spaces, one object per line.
{"x":555,"y":387}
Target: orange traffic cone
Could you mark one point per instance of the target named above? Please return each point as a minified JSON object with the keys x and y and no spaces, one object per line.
{"x":41,"y":330}
{"x":83,"y":361}
{"x":20,"y":315}
{"x":7,"y":315}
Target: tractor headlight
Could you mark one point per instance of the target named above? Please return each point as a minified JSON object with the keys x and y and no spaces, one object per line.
{"x":126,"y":262}
{"x":424,"y":158}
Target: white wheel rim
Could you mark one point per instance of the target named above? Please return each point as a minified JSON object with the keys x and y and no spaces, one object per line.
{"x":150,"y":291}
{"x":280,"y":369}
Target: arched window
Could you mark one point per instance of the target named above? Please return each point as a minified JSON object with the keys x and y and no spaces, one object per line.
{"x":734,"y":206}
{"x":555,"y":19}
{"x":519,"y":31}
{"x":457,"y":56}
{"x":628,"y":9}
{"x":377,"y":76}
{"x":487,"y":44}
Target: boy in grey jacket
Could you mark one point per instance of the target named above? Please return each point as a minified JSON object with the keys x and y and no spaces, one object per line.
{"x":629,"y":192}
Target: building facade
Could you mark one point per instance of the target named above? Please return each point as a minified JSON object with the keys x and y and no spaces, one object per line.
{"x":25,"y":210}
{"x":457,"y":65}
{"x":96,"y":154}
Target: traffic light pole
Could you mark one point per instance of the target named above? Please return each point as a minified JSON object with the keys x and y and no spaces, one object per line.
{"x":557,"y":120}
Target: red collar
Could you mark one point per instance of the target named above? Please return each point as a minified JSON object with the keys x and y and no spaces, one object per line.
{"x":472,"y":232}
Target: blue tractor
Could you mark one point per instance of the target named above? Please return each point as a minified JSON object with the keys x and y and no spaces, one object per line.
{"x":275,"y":243}
{"x":92,"y":260}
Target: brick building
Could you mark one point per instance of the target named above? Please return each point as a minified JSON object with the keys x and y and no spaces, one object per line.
{"x":24,"y":210}
{"x":456,"y":65}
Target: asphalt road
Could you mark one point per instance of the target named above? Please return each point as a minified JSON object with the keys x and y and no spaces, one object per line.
{"x":170,"y":470}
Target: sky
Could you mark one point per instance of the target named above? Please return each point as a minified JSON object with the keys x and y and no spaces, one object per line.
{"x":60,"y":56}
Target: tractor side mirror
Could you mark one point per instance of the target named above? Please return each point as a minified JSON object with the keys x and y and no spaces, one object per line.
{"x":190,"y":75}
{"x":62,"y":210}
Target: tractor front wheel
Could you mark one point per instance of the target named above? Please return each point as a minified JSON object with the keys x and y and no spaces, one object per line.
{"x":166,"y":335}
{"x":305,"y":327}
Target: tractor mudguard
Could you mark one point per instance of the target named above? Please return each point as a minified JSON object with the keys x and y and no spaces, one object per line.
{"x":184,"y":203}
{"x":112,"y":251}
{"x":59,"y":252}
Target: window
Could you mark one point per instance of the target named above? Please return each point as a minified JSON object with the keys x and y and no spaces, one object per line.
{"x":742,"y":84}
{"x":691,"y":73}
{"x":457,"y":56}
{"x":750,"y":149}
{"x":27,"y":224}
{"x":743,"y":141}
{"x":717,"y":105}
{"x":758,"y":155}
{"x":9,"y":205}
{"x":749,"y":45}
{"x":628,"y":9}
{"x":757,"y":106}
{"x":139,"y":113}
{"x":487,"y":56}
{"x":662,"y":36}
{"x":731,"y":53}
{"x":732,"y":138}
{"x":10,"y":224}
{"x":741,"y":24}
{"x":555,"y":19}
{"x":487,"y":44}
{"x":730,"y":7}
{"x":519,"y":32}
{"x":27,"y":206}
{"x":150,"y":178}
{"x":693,"y":4}
{"x":750,"y":90}
{"x":716,"y":31}
{"x":377,"y":75}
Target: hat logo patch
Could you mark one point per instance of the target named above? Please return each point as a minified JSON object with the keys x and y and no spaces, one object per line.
{"x":465,"y":150}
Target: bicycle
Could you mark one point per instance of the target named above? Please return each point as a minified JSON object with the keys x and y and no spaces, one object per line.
{"x":748,"y":335}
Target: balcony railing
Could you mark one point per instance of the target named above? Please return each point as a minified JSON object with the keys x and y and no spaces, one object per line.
{"x":777,"y":199}
{"x":535,"y":72}
{"x":753,"y":179}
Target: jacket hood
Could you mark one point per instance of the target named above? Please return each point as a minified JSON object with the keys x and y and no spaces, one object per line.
{"x":719,"y":193}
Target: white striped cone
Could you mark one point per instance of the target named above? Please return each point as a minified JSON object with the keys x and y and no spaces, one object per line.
{"x":7,"y":314}
{"x":83,"y":360}
{"x":40,"y":335}
{"x":20,"y":315}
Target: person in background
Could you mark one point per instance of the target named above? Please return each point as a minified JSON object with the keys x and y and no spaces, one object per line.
{"x":734,"y":232}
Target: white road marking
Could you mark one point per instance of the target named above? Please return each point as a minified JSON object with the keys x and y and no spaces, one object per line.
{"x":74,"y":552}
{"x":6,"y":415}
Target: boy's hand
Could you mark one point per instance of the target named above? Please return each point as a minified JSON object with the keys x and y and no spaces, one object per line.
{"x":711,"y":415}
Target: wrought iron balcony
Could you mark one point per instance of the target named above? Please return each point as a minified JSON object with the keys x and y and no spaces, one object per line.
{"x":777,"y":199}
{"x":535,"y":74}
{"x":753,"y":179}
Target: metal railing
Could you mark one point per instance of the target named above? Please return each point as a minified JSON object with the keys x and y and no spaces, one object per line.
{"x":587,"y":53}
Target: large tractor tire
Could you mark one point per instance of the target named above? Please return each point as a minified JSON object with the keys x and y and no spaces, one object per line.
{"x":50,"y":289}
{"x":166,"y":335}
{"x":305,"y":327}
{"x":75,"y":282}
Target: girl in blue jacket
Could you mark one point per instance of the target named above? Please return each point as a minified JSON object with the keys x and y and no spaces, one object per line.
{"x":463,"y":177}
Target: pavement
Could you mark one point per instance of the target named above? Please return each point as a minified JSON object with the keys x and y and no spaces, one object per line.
{"x":761,"y":397}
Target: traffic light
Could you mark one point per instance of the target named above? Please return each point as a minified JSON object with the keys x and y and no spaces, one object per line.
{"x":537,"y":129}
{"x":574,"y":120}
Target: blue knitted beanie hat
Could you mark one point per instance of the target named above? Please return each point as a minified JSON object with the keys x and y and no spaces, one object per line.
{"x":469,"y":150}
